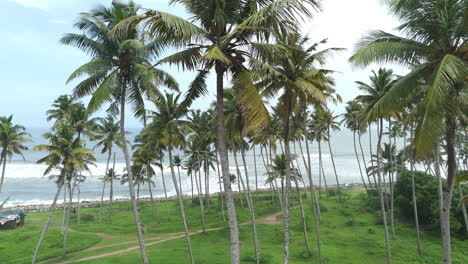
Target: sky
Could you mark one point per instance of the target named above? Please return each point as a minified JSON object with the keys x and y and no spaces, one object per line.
{"x":34,"y":66}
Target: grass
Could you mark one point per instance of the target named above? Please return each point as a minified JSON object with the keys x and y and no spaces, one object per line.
{"x":350,"y":234}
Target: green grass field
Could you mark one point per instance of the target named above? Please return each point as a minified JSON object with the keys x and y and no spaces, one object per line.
{"x":350,"y":233}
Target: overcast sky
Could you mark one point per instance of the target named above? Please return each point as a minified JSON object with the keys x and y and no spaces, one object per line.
{"x":34,"y":66}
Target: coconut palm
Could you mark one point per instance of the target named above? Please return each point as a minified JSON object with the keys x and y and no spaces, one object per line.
{"x":433,"y":47}
{"x":381,"y":83}
{"x":12,"y":140}
{"x":178,"y":163}
{"x":68,"y":156}
{"x":219,"y":36}
{"x":235,"y":122}
{"x":107,"y":135}
{"x":169,"y":128}
{"x":119,"y":71}
{"x":294,"y":73}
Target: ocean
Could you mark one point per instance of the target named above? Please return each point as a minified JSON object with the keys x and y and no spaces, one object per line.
{"x":25,"y":183}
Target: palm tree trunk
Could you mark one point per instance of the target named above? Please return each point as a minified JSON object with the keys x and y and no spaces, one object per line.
{"x":304,"y":220}
{"x":131,"y":186}
{"x":321,"y":169}
{"x":359,"y":162}
{"x":370,"y":152}
{"x":220,"y":186}
{"x":3,"y":172}
{"x":181,"y":203}
{"x":333,"y":163}
{"x":164,"y":187}
{"x":315,"y":203}
{"x":364,"y":163}
{"x":239,"y":177}
{"x":200,"y":194}
{"x":233,"y":228}
{"x":64,"y":209}
{"x":153,"y":205}
{"x":382,"y":204}
{"x":251,"y":209}
{"x":413,"y":193}
{"x":49,"y":218}
{"x":191,"y":183}
{"x":255,"y":168}
{"x":390,"y":178}
{"x":79,"y":205}
{"x":65,"y":234}
{"x":287,"y":176}
{"x":104,"y":184}
{"x":207,"y":181}
{"x":463,"y":208}
{"x":111,"y":193}
{"x":180,"y":180}
{"x":447,"y":194}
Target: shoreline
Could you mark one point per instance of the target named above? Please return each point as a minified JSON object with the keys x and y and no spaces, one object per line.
{"x":29,"y":208}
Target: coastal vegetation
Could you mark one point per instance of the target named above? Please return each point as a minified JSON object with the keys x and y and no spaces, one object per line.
{"x":273,"y":91}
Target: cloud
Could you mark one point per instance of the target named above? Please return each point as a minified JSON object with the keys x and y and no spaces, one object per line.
{"x":47,"y":5}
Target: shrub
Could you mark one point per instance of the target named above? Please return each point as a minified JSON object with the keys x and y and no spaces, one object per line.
{"x":427,"y":199}
{"x":87,"y":217}
{"x":370,"y":231}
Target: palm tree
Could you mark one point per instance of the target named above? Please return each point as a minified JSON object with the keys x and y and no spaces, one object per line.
{"x":178,"y":163}
{"x":235,"y":123}
{"x":381,"y":83}
{"x":217,"y":37}
{"x":119,"y":70}
{"x":169,"y":128}
{"x":66,"y":155}
{"x":107,"y":135}
{"x":351,"y":121}
{"x":12,"y":139}
{"x":294,"y":72}
{"x":433,"y":48}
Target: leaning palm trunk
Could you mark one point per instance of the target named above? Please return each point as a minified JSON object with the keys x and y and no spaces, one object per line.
{"x":64,"y":209}
{"x":181,"y":203}
{"x":164,"y":187}
{"x":233,"y":228}
{"x":333,"y":163}
{"x":207,"y":182}
{"x":79,"y":205}
{"x":104,"y":184}
{"x":200,"y":194}
{"x":304,"y":220}
{"x":365,"y":166}
{"x":180,"y":180}
{"x":239,"y":178}
{"x":359,"y":162}
{"x":49,"y":218}
{"x":131,"y":186}
{"x":321,"y":169}
{"x":255,"y":168}
{"x":315,"y":202}
{"x":3,"y":172}
{"x":251,"y":208}
{"x":65,"y":234}
{"x":380,"y":188}
{"x":413,"y":194}
{"x":153,"y":204}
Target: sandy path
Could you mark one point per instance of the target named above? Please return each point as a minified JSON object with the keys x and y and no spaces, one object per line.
{"x":268,"y":220}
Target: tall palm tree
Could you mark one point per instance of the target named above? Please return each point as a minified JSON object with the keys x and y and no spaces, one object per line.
{"x":107,"y":135}
{"x":381,"y":83}
{"x":12,"y":140}
{"x":167,"y":125}
{"x":433,"y":47}
{"x":351,"y":121}
{"x":294,"y":73}
{"x":219,"y":36}
{"x":119,"y":71}
{"x":68,"y":156}
{"x":178,"y":163}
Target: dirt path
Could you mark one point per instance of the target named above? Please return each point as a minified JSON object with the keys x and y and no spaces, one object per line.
{"x":270,"y":219}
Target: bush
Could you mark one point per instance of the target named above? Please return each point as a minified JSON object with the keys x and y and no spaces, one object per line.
{"x":427,"y":199}
{"x":370,"y":231}
{"x":87,"y":218}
